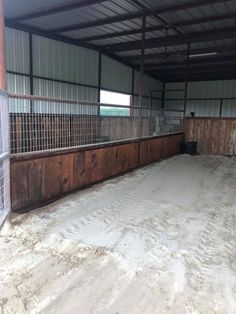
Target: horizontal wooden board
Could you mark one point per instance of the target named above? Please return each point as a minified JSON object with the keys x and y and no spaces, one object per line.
{"x":40,"y":179}
{"x":215,"y":136}
{"x":159,"y":148}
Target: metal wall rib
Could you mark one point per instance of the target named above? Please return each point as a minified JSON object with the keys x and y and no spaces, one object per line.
{"x":66,"y":67}
{"x":200,"y":93}
{"x":116,"y":76}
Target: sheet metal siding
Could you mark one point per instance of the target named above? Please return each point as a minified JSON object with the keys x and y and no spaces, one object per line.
{"x":205,"y":89}
{"x":147,"y":102}
{"x":61,"y":61}
{"x":66,"y":91}
{"x":116,"y":76}
{"x":149,"y":84}
{"x":229,"y":108}
{"x":58,"y":60}
{"x":17,"y":50}
{"x":18,"y":84}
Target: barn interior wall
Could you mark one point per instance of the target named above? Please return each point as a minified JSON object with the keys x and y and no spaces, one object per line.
{"x":62,"y":70}
{"x":200,"y":94}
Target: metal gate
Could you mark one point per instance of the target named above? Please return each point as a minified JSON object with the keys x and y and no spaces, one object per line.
{"x":4,"y":158}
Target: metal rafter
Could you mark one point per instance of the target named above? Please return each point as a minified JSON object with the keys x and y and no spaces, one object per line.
{"x":203,"y":36}
{"x":200,"y":76}
{"x":139,"y":14}
{"x":55,"y":10}
{"x":206,"y":68}
{"x":191,"y":22}
{"x":154,"y":56}
{"x":164,"y":22}
{"x":192,"y":63}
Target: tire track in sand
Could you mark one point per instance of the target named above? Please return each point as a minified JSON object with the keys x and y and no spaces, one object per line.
{"x":214,"y":241}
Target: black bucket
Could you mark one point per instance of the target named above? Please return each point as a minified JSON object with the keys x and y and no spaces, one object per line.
{"x":189,"y":148}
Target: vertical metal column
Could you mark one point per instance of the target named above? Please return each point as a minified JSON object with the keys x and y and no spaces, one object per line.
{"x":31,"y":70}
{"x":132,"y":91}
{"x":163,"y":95}
{"x":221,"y":107}
{"x":186,"y":79}
{"x":141,"y":82}
{"x":99,"y":75}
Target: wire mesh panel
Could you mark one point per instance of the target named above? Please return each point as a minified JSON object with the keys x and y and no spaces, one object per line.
{"x":4,"y":158}
{"x":41,"y":124}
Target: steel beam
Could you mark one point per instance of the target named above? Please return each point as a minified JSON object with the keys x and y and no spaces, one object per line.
{"x":191,"y":22}
{"x":168,"y":66}
{"x":200,"y":77}
{"x":213,"y":69}
{"x":195,"y":37}
{"x":141,"y":82}
{"x":186,"y":79}
{"x":54,"y":10}
{"x":139,"y":14}
{"x":154,"y":56}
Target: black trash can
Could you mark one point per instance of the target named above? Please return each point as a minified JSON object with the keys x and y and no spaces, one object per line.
{"x":189,"y":148}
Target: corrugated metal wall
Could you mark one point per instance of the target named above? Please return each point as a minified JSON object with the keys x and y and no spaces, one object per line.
{"x":64,"y":91}
{"x":17,"y":47}
{"x":204,"y":90}
{"x":149,"y":84}
{"x":66,"y":71}
{"x":17,"y":53}
{"x":57,"y":60}
{"x":76,"y":65}
{"x":18,"y":84}
{"x":115,"y":76}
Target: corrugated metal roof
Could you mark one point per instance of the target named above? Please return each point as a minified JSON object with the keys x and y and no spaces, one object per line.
{"x":108,"y":9}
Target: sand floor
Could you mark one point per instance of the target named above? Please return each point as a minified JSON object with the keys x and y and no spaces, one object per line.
{"x":159,"y":240}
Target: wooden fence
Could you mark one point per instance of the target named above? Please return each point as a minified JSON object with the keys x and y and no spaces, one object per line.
{"x":214,"y":135}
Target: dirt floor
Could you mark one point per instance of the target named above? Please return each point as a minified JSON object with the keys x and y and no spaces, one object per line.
{"x":158,"y":240}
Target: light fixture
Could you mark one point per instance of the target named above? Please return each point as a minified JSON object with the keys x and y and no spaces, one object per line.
{"x":203,"y":54}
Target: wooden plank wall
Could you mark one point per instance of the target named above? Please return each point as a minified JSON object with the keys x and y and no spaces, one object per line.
{"x":40,"y":178}
{"x":159,"y":148}
{"x":119,"y":128}
{"x":215,"y":136}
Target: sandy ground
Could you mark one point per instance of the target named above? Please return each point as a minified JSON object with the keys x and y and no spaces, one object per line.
{"x":158,"y":240}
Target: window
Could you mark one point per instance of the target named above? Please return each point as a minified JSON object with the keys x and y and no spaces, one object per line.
{"x":112,"y":98}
